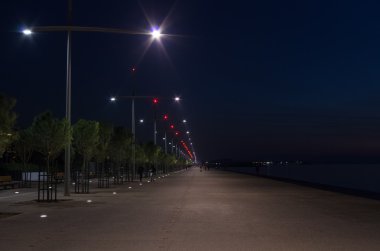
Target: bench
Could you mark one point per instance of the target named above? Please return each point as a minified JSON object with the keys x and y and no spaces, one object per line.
{"x":59,"y":177}
{"x":6,"y":181}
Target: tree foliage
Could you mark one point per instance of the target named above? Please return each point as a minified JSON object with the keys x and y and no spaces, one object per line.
{"x":86,"y":138}
{"x":120,"y":145}
{"x":24,"y":146}
{"x":152,"y":152}
{"x":7,"y":122}
{"x":105,"y":135}
{"x":50,"y":135}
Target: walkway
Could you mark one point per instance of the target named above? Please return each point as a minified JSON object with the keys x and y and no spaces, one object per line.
{"x":193,"y":210}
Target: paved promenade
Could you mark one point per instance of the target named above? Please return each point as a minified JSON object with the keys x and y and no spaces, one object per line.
{"x":193,"y":210}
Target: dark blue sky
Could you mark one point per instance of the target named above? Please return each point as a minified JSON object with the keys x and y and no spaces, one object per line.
{"x":261,"y":80}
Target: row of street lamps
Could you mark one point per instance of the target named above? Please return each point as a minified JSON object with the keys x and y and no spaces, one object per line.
{"x":155,"y":35}
{"x":133,"y":121}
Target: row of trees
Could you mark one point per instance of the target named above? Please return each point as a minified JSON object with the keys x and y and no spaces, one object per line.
{"x":91,"y":141}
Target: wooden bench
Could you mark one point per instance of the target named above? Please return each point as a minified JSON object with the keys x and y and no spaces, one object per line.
{"x":59,"y":177}
{"x":6,"y":181}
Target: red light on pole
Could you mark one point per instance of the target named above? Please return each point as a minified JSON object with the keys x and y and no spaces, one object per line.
{"x":172,"y":126}
{"x":155,"y":101}
{"x":176,"y":133}
{"x":166,"y":117}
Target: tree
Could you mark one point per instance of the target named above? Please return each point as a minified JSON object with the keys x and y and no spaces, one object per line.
{"x":152,"y":152}
{"x":50,"y":136}
{"x":86,"y":138}
{"x":120,"y":147}
{"x":7,"y":121}
{"x":24,"y":146}
{"x":141,"y":158}
{"x":105,"y":135}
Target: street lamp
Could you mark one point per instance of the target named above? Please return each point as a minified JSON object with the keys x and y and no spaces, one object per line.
{"x":155,"y":33}
{"x":27,"y":32}
{"x":155,"y":103}
{"x":177,"y":99}
{"x":184,"y":121}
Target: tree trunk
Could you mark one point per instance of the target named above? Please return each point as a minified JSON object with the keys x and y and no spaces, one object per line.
{"x":48,"y":164}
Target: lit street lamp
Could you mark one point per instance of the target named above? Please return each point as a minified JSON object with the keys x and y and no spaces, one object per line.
{"x":177,"y":99}
{"x":155,"y":34}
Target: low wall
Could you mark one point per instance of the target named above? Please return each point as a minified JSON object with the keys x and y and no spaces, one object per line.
{"x":359,"y":177}
{"x":32,"y":176}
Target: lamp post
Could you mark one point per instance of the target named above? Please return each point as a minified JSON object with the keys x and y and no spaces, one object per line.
{"x":155,"y":103}
{"x":155,"y":34}
{"x":133,"y":123}
{"x":68,"y":103}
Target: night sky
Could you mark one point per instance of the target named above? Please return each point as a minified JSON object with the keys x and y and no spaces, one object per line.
{"x":260,"y":80}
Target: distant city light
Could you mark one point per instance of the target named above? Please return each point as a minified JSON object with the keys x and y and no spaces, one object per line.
{"x":184,"y":121}
{"x":43,"y":216}
{"x":113,"y":99}
{"x":188,"y":132}
{"x":141,"y":121}
{"x":177,"y":99}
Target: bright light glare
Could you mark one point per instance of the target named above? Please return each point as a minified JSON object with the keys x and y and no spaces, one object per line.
{"x":184,"y":121}
{"x":156,"y":33}
{"x":177,"y":99}
{"x":27,"y":32}
{"x":141,"y":121}
{"x":112,"y":99}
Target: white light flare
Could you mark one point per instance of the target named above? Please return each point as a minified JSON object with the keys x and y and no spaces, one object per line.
{"x":155,"y":33}
{"x":27,"y":32}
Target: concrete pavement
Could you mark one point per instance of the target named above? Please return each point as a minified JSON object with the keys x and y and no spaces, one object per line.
{"x":193,"y":210}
